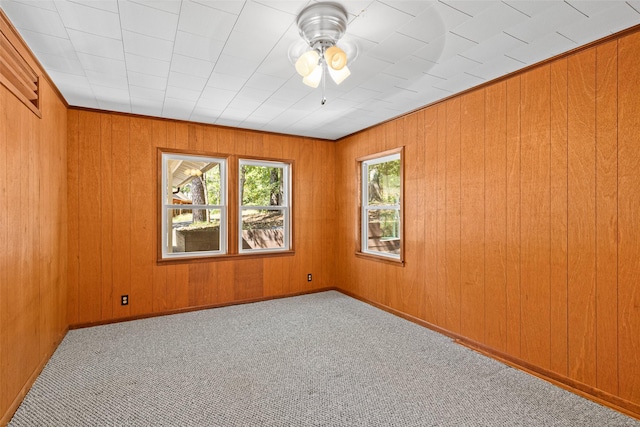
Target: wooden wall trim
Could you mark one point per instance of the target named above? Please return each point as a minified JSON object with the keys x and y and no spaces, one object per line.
{"x":614,"y":402}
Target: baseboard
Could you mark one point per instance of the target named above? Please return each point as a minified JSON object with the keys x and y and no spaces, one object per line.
{"x":198,"y":307}
{"x":15,"y":404}
{"x":599,"y":396}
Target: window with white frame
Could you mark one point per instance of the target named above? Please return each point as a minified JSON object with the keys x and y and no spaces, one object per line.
{"x":381,"y":219}
{"x":194,"y":206}
{"x":264,"y":216}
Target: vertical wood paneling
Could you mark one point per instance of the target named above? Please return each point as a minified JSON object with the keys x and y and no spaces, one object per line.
{"x":248,"y":276}
{"x":535,"y":210}
{"x":582,"y":217}
{"x":226,"y":279}
{"x":472,"y":203}
{"x":142,"y":187}
{"x":430,"y":224}
{"x":628,"y":217}
{"x":4,"y":250}
{"x":411,"y":278}
{"x":17,"y":332}
{"x":513,"y":217}
{"x":452,"y":243}
{"x":558,"y":224}
{"x":45,"y":235}
{"x":197,"y":284}
{"x":314,"y":226}
{"x":607,"y":217}
{"x":52,"y":265}
{"x":292,"y":265}
{"x":409,"y":289}
{"x":159,"y":138}
{"x":89,"y":217}
{"x":33,"y":231}
{"x":106,"y":224}
{"x":441,"y":225}
{"x":31,"y":242}
{"x":72,"y":208}
{"x":328,"y":209}
{"x":212,"y":284}
{"x":121,"y":220}
{"x":341,"y":252}
{"x":495,"y":218}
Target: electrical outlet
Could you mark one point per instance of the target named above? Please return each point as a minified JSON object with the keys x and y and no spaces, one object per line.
{"x":124,"y":300}
{"x":309,"y":277}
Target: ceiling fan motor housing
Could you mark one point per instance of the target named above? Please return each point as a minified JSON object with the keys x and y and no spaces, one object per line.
{"x":322,"y":24}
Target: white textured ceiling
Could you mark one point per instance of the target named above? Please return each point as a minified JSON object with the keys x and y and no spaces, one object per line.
{"x":226,"y":62}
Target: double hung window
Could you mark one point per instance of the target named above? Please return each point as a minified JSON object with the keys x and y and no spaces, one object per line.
{"x":381,"y":213}
{"x":264,"y":215}
{"x":194,"y":206}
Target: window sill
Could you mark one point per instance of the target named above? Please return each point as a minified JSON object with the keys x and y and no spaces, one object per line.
{"x":227,"y":257}
{"x":397,"y":262}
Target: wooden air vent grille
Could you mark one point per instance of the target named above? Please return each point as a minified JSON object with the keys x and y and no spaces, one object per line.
{"x":17,"y":76}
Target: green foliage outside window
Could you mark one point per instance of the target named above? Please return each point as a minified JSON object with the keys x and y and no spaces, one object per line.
{"x":261,"y":185}
{"x":384,"y":183}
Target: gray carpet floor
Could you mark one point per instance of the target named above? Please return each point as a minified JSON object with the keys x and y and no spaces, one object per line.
{"x":316,"y":360}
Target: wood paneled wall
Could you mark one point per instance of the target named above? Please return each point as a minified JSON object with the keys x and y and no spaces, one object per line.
{"x":113,"y":213}
{"x":33,"y":239}
{"x":522,"y":216}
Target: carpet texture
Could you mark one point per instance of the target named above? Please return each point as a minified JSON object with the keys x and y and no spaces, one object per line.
{"x":316,"y":360}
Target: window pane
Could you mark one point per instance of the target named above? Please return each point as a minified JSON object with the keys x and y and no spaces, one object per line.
{"x":384,"y":183}
{"x":384,"y":231}
{"x":193,"y":230}
{"x":192,"y":181}
{"x":261,"y":185}
{"x":262,"y":229}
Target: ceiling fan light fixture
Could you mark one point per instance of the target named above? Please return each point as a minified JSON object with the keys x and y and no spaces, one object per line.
{"x":338,"y":76}
{"x":336,"y":58}
{"x":307,"y":63}
{"x":314,"y":78}
{"x":321,"y":25}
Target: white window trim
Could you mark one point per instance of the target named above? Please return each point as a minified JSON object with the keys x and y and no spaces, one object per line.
{"x":364,"y":219}
{"x":285,"y":207}
{"x":166,"y":206}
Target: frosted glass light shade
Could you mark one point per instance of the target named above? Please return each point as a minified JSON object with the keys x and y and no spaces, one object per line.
{"x":338,"y":76}
{"x":336,"y":58}
{"x":314,"y":78}
{"x":307,"y":63}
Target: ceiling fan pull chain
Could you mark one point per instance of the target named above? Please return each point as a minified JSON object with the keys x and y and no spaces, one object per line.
{"x":324,"y":82}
